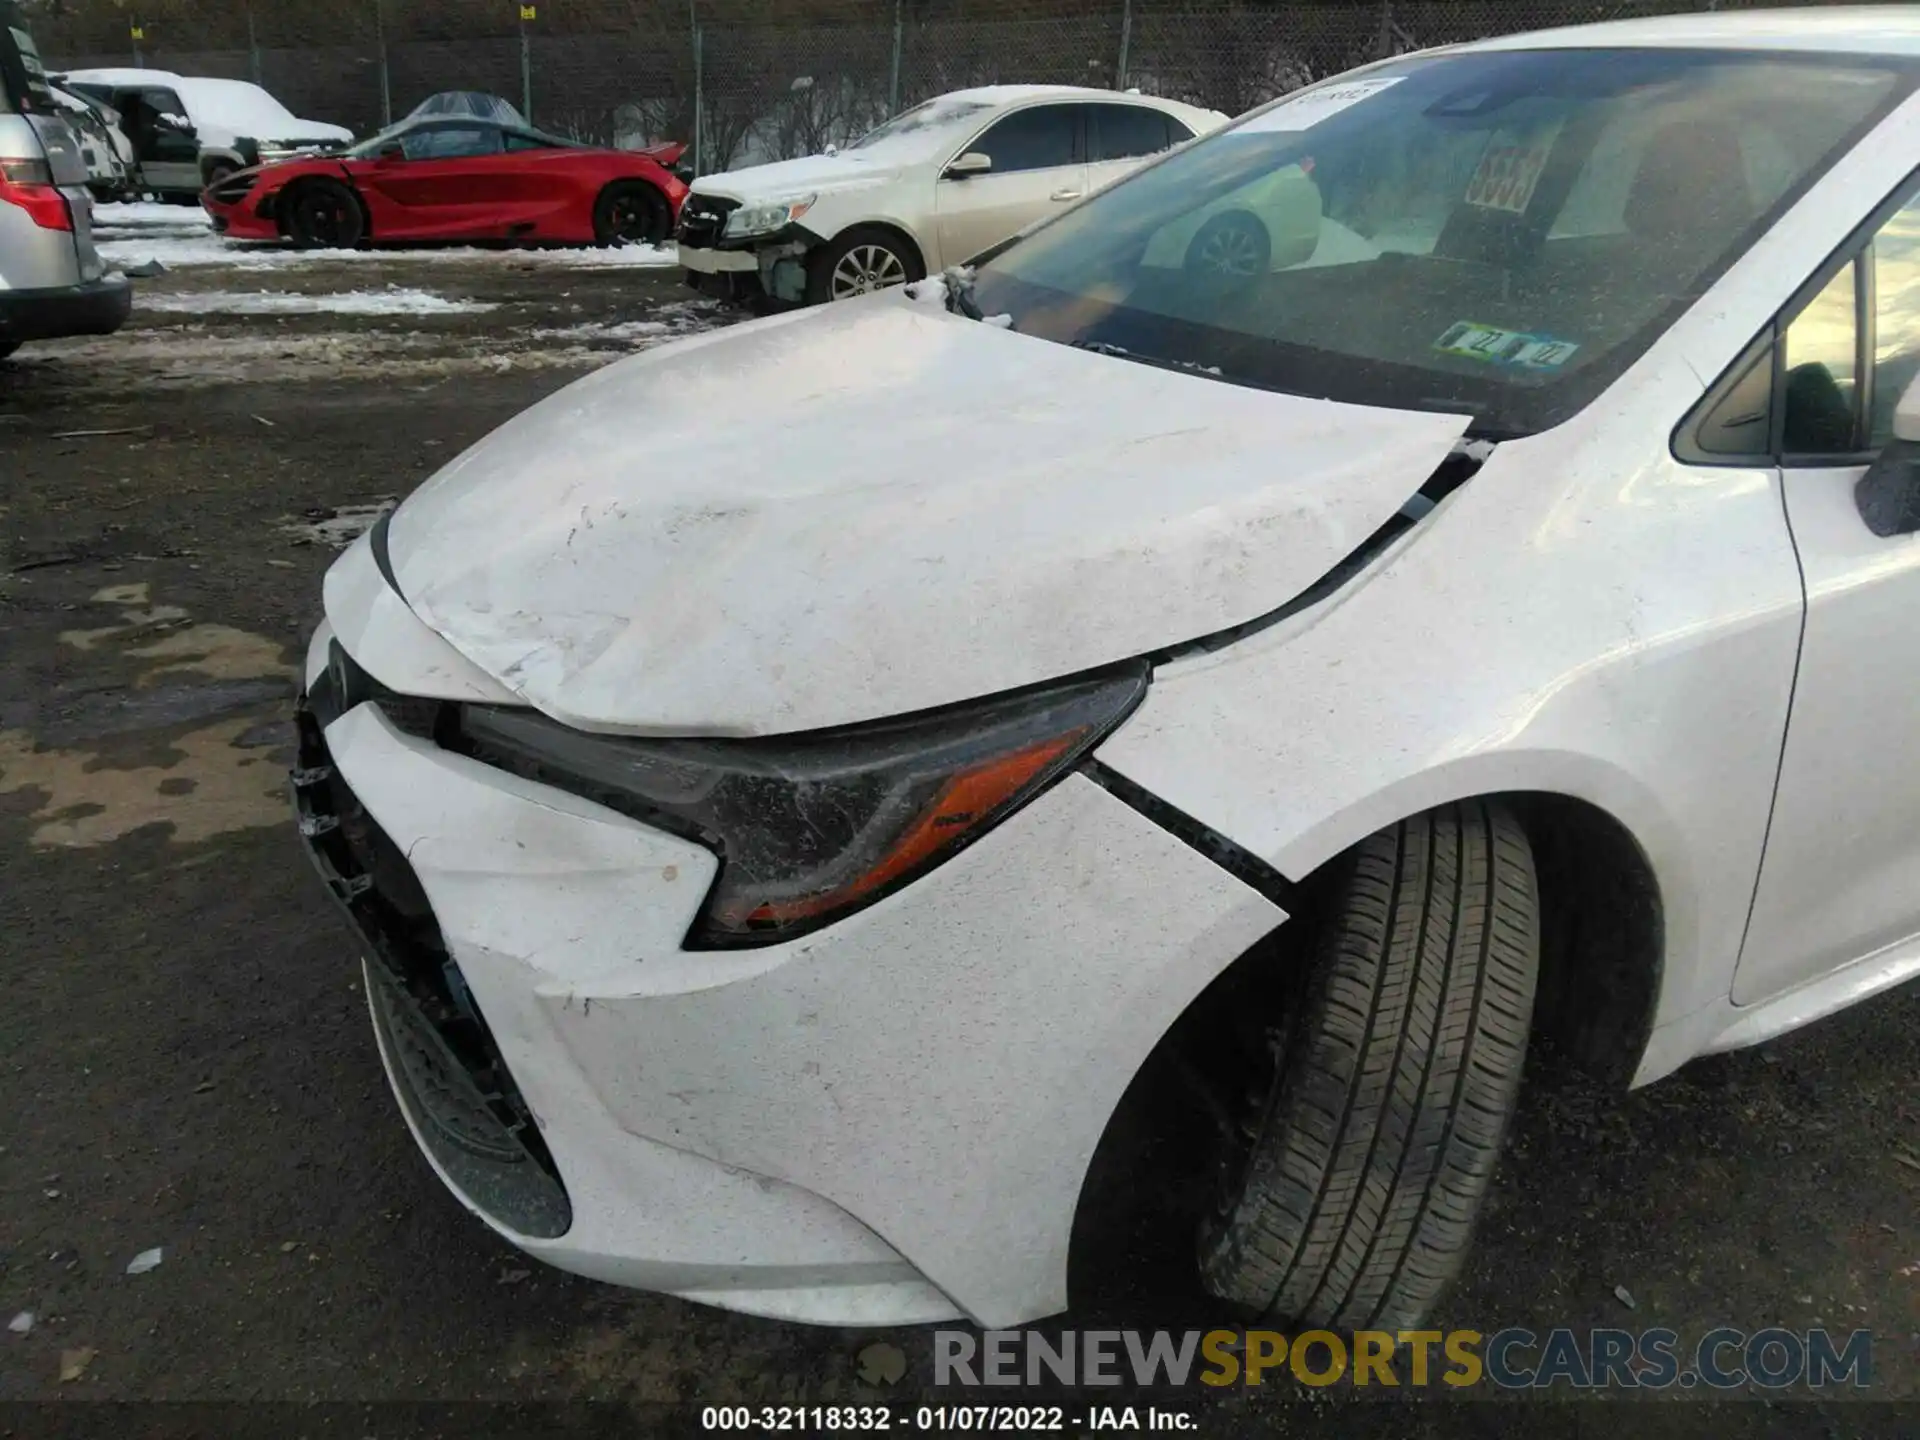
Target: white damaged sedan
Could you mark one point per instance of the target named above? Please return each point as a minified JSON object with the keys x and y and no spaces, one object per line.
{"x":777,"y":843}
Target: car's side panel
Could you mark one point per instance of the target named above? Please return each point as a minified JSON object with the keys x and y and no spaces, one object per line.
{"x":1586,"y":616}
{"x":1595,"y":621}
{"x":539,"y":194}
{"x":1842,"y":875}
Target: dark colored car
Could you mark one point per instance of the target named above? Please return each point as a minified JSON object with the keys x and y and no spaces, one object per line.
{"x":456,"y":178}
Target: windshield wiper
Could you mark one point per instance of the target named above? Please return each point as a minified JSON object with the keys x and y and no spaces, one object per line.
{"x":960,"y":301}
{"x":1120,"y":352}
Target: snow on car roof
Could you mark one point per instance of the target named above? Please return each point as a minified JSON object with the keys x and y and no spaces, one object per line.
{"x":236,"y":103}
{"x":1856,"y":29}
{"x":123,"y":75}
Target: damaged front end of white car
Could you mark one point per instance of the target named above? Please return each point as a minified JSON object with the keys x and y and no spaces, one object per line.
{"x":778,"y":847}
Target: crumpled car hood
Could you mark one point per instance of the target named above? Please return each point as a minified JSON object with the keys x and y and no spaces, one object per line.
{"x":876,"y":508}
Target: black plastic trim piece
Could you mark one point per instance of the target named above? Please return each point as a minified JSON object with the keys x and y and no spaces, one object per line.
{"x":1242,"y":864}
{"x":377,"y":541}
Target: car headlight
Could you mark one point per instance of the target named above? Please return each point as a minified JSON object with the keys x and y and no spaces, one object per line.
{"x":765,"y":219}
{"x":812,"y":827}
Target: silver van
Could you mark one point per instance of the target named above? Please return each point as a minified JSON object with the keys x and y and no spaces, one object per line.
{"x":52,"y":280}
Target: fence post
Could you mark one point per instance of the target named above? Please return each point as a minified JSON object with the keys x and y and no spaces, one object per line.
{"x":526,"y":67}
{"x":136,"y":34}
{"x":253,"y":48}
{"x":699,"y":101}
{"x":1126,"y":38}
{"x":386,"y":78}
{"x":1383,"y":48}
{"x":893,"y":80}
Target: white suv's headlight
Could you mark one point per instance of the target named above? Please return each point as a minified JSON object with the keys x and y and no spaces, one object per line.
{"x":765,"y":219}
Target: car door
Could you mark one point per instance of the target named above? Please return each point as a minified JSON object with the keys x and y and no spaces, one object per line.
{"x":1122,"y":138}
{"x":156,"y":121}
{"x":1841,"y":876}
{"x":1037,"y":168}
{"x":445,"y":181}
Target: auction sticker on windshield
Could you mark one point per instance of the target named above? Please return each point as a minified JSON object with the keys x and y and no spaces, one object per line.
{"x":1473,"y":341}
{"x":1316,"y":105}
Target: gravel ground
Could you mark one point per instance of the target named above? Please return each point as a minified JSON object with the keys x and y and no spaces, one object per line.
{"x":187,"y":1064}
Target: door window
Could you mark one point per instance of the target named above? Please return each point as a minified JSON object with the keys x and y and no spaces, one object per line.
{"x":1126,"y":132}
{"x":1896,"y":317}
{"x":1819,"y":372}
{"x":164,"y":103}
{"x":450,"y":142}
{"x":1041,"y":138}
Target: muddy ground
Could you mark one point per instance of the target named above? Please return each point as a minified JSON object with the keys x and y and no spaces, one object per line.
{"x":185,"y":1059}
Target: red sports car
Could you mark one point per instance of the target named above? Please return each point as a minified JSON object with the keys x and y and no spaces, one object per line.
{"x":455,"y":178}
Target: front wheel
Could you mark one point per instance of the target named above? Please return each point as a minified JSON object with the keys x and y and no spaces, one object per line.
{"x":325,"y":214}
{"x":1350,"y":1201}
{"x":865,"y":259}
{"x":630,"y":212}
{"x":1233,"y":246}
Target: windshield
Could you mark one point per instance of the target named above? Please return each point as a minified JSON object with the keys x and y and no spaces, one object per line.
{"x":923,"y":130}
{"x":370,"y":148}
{"x":1496,"y":234}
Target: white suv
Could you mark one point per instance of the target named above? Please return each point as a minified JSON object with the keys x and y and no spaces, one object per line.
{"x":791,"y":782}
{"x":932,"y":187}
{"x":189,"y":131}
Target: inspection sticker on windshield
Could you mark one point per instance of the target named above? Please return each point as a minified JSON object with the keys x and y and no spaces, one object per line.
{"x":1316,"y":105}
{"x":1505,"y":347}
{"x":1509,"y":169}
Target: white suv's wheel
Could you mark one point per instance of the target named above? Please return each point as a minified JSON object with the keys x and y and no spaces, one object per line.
{"x":1368,"y":1151}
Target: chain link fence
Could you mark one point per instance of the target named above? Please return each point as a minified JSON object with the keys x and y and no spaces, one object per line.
{"x":744,"y":86}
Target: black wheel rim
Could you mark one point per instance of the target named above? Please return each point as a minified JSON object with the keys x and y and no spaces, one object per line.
{"x":324,"y":218}
{"x":630,"y":219}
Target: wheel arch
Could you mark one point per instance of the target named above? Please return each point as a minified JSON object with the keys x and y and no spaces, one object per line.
{"x":213,"y":155}
{"x":894,"y":225}
{"x":1603,"y":943}
{"x":293,"y":186}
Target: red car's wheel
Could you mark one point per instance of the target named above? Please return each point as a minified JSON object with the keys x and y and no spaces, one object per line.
{"x":324,"y":213}
{"x":631,"y":212}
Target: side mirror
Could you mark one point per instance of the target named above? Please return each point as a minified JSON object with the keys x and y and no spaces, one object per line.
{"x":393,"y":152}
{"x":1888,"y":495}
{"x":971,"y":163}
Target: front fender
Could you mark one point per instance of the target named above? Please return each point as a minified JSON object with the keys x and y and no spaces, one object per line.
{"x":1624,"y":634}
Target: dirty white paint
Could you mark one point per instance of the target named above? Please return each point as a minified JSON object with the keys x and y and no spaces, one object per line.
{"x":808,"y":1130}
{"x":394,"y":300}
{"x":923,"y":510}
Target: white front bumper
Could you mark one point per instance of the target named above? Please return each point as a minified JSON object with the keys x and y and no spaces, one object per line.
{"x":885,"y":1121}
{"x":718,"y":262}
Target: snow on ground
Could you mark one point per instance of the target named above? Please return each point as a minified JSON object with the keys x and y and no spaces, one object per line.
{"x":394,"y":300}
{"x":181,"y":238}
{"x":339,"y":528}
{"x":147,"y":212}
